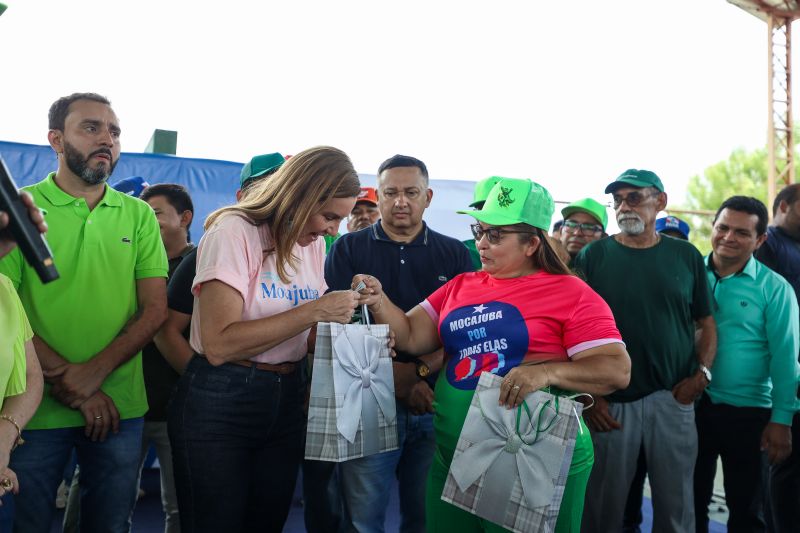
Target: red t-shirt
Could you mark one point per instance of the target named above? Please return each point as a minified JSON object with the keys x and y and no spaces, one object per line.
{"x":492,"y":325}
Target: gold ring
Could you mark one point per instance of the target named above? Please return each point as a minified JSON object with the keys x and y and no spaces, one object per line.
{"x":6,"y":483}
{"x":515,"y":387}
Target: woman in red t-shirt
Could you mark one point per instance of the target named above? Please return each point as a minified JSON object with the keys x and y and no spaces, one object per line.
{"x":524,"y":317}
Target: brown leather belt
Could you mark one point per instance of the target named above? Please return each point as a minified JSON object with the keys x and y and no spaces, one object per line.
{"x":282,"y":368}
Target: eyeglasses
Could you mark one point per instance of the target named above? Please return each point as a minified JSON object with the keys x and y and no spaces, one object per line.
{"x":632,"y":199}
{"x":586,"y":229}
{"x":494,"y":235}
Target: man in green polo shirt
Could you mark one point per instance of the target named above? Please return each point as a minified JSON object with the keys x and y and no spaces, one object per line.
{"x":90,"y":325}
{"x":749,"y":404}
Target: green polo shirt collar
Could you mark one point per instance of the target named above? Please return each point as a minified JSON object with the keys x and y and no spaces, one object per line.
{"x":748,"y":270}
{"x":757,"y":341}
{"x":58,"y":197}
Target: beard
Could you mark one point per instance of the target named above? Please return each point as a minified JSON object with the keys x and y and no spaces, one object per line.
{"x":631,"y":224}
{"x":79,"y":165}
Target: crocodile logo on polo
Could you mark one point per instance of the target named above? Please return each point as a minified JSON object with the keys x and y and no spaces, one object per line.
{"x":504,"y":198}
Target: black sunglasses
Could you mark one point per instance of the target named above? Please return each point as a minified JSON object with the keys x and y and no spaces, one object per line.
{"x":632,"y":198}
{"x":494,"y":235}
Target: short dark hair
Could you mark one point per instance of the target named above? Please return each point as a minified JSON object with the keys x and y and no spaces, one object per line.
{"x":557,"y":225}
{"x":177,"y":196}
{"x":404,"y":161}
{"x":788,"y":194}
{"x":60,"y":108}
{"x":750,"y":205}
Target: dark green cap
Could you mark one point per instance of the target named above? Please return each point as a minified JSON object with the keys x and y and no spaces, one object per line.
{"x":636,"y":178}
{"x":482,"y":189}
{"x":260,"y":165}
{"x":2,"y":8}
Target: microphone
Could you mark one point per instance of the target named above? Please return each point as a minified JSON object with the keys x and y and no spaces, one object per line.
{"x":31,"y":243}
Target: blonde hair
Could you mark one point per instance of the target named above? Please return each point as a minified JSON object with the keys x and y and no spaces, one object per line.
{"x":286,"y":200}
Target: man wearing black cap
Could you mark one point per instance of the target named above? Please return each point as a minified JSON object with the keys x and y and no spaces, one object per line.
{"x":657,"y":290}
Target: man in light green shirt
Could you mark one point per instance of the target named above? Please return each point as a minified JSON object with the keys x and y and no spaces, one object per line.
{"x":751,"y":399}
{"x":89,"y":325}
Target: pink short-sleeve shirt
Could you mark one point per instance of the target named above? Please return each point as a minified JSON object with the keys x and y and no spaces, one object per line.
{"x":233,"y":252}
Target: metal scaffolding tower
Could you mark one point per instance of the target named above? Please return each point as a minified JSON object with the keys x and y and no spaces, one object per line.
{"x":779,"y":15}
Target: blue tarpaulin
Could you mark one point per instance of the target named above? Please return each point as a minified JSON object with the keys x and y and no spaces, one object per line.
{"x":213,"y":183}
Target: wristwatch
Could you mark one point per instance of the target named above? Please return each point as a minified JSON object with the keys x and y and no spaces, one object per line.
{"x":706,"y":372}
{"x":423,"y":370}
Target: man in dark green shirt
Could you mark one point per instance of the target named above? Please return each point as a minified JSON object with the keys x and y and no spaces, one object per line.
{"x":656,"y":288}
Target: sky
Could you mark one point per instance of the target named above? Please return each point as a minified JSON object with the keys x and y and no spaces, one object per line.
{"x":569,"y":94}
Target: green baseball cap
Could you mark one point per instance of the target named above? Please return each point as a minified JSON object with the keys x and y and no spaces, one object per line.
{"x":260,"y":165}
{"x":512,"y":201}
{"x":589,"y":206}
{"x":636,"y":178}
{"x":482,"y":189}
{"x":2,"y":8}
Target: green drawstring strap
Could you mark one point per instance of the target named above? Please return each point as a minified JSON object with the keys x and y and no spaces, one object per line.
{"x":538,"y":425}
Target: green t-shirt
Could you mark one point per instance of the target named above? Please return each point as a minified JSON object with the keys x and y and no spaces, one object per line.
{"x":14,"y":332}
{"x":99,"y":255}
{"x":473,"y":254}
{"x":329,"y":240}
{"x":656,"y":294}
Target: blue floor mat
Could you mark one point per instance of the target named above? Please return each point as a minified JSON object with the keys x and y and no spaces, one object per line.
{"x":149,"y":518}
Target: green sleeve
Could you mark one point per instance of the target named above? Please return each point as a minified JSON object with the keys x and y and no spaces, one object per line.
{"x":11,"y":266}
{"x":151,"y":260}
{"x":783,"y":339}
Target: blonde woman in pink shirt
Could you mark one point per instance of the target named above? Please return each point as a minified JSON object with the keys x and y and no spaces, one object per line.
{"x":236,"y":420}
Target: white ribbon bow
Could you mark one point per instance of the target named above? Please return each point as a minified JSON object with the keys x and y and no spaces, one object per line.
{"x":356,"y":370}
{"x":494,"y":432}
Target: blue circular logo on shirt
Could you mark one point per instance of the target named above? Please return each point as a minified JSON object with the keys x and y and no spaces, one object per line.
{"x":489,"y":337}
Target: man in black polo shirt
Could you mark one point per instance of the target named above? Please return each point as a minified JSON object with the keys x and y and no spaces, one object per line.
{"x":781,"y":253}
{"x":411,"y":261}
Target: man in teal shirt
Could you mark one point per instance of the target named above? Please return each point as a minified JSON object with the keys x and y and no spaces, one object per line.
{"x":749,"y":404}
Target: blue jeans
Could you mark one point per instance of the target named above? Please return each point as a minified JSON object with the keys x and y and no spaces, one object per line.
{"x":237,"y":442}
{"x":367,"y":482}
{"x":109,"y":473}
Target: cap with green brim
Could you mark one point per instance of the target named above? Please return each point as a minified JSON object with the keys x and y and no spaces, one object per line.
{"x":591,"y":207}
{"x":515,"y":201}
{"x":260,"y":165}
{"x":636,"y":178}
{"x":482,"y":189}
